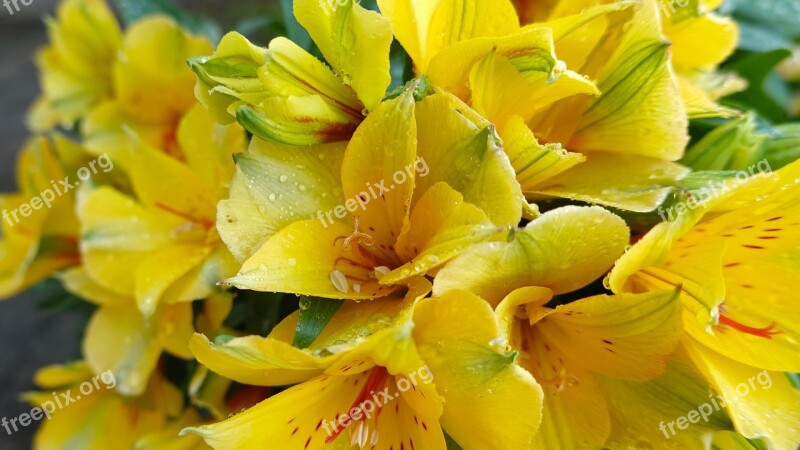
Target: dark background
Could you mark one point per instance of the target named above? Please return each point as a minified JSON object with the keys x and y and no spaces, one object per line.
{"x":30,"y":338}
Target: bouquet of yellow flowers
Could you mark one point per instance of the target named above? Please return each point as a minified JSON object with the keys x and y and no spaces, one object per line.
{"x":418,"y":224}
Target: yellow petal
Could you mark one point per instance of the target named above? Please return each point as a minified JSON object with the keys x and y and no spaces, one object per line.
{"x":627,"y":336}
{"x":266,"y":193}
{"x":325,"y":266}
{"x":384,"y":145}
{"x":290,"y":70}
{"x":117,"y":339}
{"x":761,"y":403}
{"x":411,"y":23}
{"x":354,"y":40}
{"x":79,"y":282}
{"x":552,"y":251}
{"x":107,"y":130}
{"x":39,"y":226}
{"x":699,"y":103}
{"x":764,"y":327}
{"x":118,"y":235}
{"x":442,"y":225}
{"x":306,"y":415}
{"x":234,"y":66}
{"x":424,"y":28}
{"x":209,"y":148}
{"x":167,"y":438}
{"x":58,"y":376}
{"x":459,"y":148}
{"x":718,"y":34}
{"x":645,"y":413}
{"x":627,"y":182}
{"x":490,"y":402}
{"x":85,"y":36}
{"x":639,"y":110}
{"x":258,"y":361}
{"x":152,"y":81}
{"x":575,"y":414}
{"x":294,"y":120}
{"x":163,"y":268}
{"x":535,"y":163}
{"x":165,"y":183}
{"x":502,"y":87}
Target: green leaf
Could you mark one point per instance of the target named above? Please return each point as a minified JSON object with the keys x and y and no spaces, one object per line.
{"x":734,"y":145}
{"x":783,"y":147}
{"x":133,"y":10}
{"x":759,"y":70}
{"x":401,"y":66}
{"x":53,"y":299}
{"x":256,"y":312}
{"x":315,"y":313}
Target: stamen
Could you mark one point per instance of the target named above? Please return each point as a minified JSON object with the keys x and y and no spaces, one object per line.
{"x":766,"y":332}
{"x":375,"y":383}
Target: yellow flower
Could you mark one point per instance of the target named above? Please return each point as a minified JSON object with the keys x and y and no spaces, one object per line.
{"x":602,"y":360}
{"x":285,"y":94}
{"x":84,"y":412}
{"x":40,"y":230}
{"x":685,"y":23}
{"x":153,"y":90}
{"x":415,"y":368}
{"x":571,"y":348}
{"x":121,"y":340}
{"x":735,"y":257}
{"x":700,"y":83}
{"x":420,"y":182}
{"x":75,"y":69}
{"x":619,"y":108}
{"x":160,"y":245}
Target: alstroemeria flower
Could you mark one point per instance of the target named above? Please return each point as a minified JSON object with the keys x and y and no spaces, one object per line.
{"x":684,"y":25}
{"x":161,"y":245}
{"x":121,"y":340}
{"x":75,"y":69}
{"x":104,"y":419}
{"x":699,"y":81}
{"x":735,"y":257}
{"x":625,"y":337}
{"x":442,"y":347}
{"x":153,"y":89}
{"x":618,"y":106}
{"x":595,"y":357}
{"x":38,"y":238}
{"x":284,"y":93}
{"x":455,"y":188}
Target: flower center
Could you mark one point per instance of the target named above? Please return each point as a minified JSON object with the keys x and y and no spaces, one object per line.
{"x":360,"y":433}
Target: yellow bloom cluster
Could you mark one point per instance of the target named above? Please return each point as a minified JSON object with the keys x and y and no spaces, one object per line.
{"x":469,"y":232}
